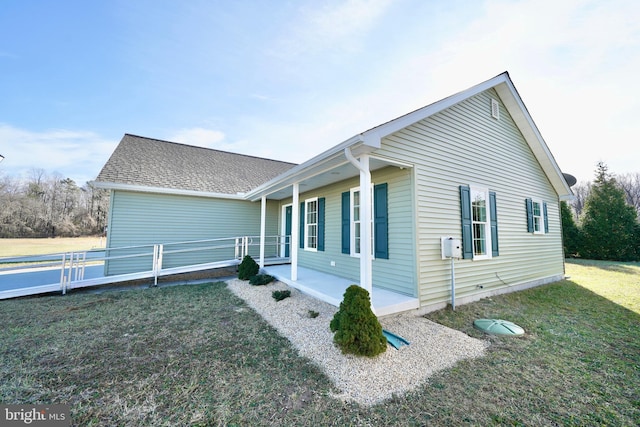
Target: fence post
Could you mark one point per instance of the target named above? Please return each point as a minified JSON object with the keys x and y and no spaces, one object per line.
{"x":157,"y":262}
{"x":154,"y":265}
{"x":78,"y":265}
{"x":236,"y":249}
{"x":159,"y":267}
{"x":84,"y":263}
{"x":63,"y":267}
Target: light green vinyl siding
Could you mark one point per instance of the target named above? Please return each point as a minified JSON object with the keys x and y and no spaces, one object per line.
{"x":147,"y":219}
{"x":396,"y":273}
{"x":464,"y":145}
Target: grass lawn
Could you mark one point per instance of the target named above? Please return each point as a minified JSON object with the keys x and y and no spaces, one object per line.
{"x":197,"y":355}
{"x":20,"y":247}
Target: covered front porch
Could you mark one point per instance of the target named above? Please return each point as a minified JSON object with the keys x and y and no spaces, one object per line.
{"x":330,"y":288}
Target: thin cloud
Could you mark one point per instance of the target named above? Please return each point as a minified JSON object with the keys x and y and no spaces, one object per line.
{"x":567,"y":59}
{"x":78,"y":155}
{"x":337,"y":25}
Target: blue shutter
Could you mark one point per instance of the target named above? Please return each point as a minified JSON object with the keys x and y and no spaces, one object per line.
{"x":321,"y":224}
{"x":346,"y":222}
{"x":465,"y":210}
{"x":301,"y":225}
{"x":529,"y":204}
{"x":287,"y":230}
{"x":493,"y":212}
{"x":546,"y":217}
{"x":381,"y":221}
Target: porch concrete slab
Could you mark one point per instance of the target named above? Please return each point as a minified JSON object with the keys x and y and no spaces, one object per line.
{"x":329,"y":288}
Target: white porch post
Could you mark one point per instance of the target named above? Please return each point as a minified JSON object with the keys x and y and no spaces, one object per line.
{"x":366,"y":245}
{"x":295,"y":232}
{"x":263,"y":222}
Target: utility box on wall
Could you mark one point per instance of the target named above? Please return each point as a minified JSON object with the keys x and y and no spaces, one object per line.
{"x":450,"y":247}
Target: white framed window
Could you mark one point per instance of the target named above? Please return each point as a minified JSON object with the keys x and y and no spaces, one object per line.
{"x":480,"y":223}
{"x":311,"y":224}
{"x":357,"y":222}
{"x":538,"y":217}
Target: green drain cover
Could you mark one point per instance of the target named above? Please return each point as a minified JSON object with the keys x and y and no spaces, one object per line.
{"x":498,"y":327}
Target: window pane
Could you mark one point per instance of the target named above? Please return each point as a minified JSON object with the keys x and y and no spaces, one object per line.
{"x":356,"y":206}
{"x":312,"y":234}
{"x":479,"y":221}
{"x":311,"y":224}
{"x":537,"y":217}
{"x":536,"y":209}
{"x":312,"y":212}
{"x":479,"y":208}
{"x":357,"y":222}
{"x":479,"y":239}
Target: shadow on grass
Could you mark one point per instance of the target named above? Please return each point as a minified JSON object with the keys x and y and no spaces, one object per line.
{"x":615,"y":266}
{"x":198,"y":355}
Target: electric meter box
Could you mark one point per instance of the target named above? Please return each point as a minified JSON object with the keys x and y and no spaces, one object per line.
{"x":450,"y":247}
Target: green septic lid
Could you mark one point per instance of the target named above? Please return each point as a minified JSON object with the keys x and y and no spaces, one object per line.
{"x":498,"y":327}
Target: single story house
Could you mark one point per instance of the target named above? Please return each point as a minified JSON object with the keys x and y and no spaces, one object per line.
{"x":377,"y":209}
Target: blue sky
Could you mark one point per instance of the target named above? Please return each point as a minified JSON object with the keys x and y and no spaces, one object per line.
{"x":290,"y":79}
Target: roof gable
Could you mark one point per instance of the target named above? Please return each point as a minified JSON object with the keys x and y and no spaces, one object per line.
{"x":146,"y":163}
{"x":515,"y":106}
{"x":371,"y":139}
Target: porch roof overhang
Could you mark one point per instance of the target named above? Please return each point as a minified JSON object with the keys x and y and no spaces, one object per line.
{"x":324,"y":169}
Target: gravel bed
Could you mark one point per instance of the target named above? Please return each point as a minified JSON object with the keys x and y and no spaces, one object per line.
{"x":361,"y":379}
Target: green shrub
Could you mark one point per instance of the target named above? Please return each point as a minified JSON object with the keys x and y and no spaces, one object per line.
{"x":357,"y":329}
{"x":247,"y":268}
{"x":261,"y":279}
{"x":313,"y":314}
{"x":280,"y":295}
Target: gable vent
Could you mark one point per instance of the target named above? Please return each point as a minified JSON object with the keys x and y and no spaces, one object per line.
{"x":495,"y":109}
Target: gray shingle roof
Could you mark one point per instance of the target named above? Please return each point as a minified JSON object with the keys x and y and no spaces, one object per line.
{"x":148,"y":162}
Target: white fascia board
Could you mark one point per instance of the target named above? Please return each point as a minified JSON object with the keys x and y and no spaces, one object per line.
{"x":520,"y":115}
{"x":162,"y":190}
{"x":392,"y":162}
{"x":304,"y":170}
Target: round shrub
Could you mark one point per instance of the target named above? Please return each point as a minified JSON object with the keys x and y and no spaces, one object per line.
{"x":261,"y":279}
{"x":357,"y":329}
{"x":280,"y":295}
{"x":247,"y":268}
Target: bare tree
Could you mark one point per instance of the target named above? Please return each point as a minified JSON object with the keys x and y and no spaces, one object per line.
{"x":46,"y":205}
{"x":630,"y":184}
{"x":581,"y":192}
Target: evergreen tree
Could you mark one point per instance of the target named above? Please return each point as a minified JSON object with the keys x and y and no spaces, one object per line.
{"x":570,"y":231}
{"x":357,"y":329}
{"x":608,"y":224}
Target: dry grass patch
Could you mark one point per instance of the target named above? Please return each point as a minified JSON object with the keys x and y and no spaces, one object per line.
{"x":24,"y":247}
{"x":170,"y":356}
{"x":198,"y":355}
